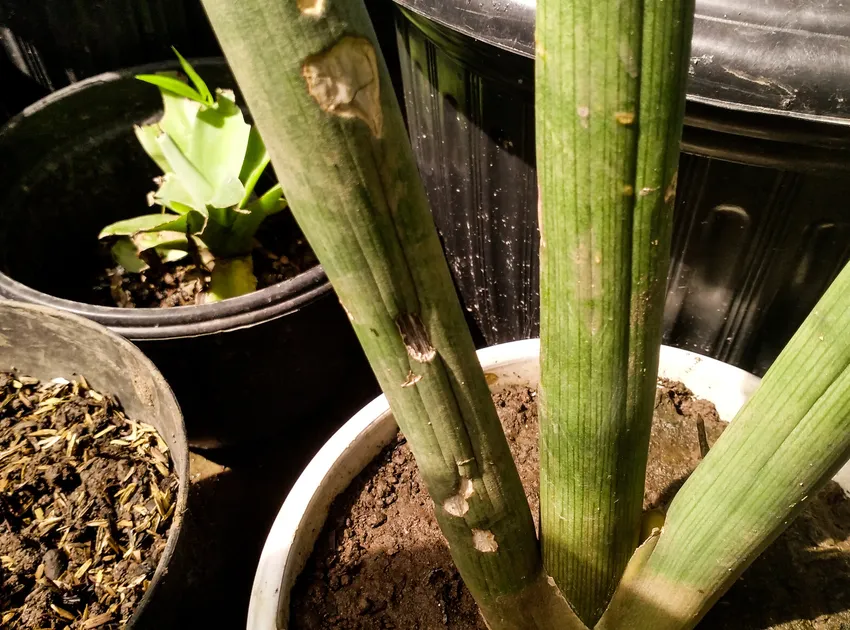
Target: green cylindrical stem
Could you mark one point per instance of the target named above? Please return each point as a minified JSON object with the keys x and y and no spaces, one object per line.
{"x":787,"y":441}
{"x":610,"y":96}
{"x":319,"y":92}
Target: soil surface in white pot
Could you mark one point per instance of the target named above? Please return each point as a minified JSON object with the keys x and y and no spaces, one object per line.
{"x":381,"y":561}
{"x":87,"y":497}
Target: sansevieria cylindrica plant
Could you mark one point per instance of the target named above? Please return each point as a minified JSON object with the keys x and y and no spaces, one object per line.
{"x":212,"y":161}
{"x":610,"y":77}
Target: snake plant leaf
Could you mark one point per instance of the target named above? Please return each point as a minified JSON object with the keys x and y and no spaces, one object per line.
{"x":220,"y":141}
{"x":172,"y":84}
{"x":195,"y":78}
{"x":255,"y":163}
{"x":231,"y":277}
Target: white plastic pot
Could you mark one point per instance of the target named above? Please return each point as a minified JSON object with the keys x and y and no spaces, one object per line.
{"x":303,"y":514}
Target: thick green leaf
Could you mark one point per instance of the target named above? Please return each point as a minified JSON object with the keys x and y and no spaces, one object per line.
{"x":198,"y":187}
{"x":219,"y":142}
{"x":144,"y":223}
{"x":227,"y":194}
{"x":172,"y":84}
{"x":161,"y":240}
{"x":255,"y":163}
{"x":179,"y":119}
{"x":147,"y":136}
{"x":202,"y":88}
{"x":785,"y":443}
{"x":126,"y":254}
{"x":231,"y":277}
{"x":171,"y":255}
{"x":173,"y":195}
{"x":246,"y":225}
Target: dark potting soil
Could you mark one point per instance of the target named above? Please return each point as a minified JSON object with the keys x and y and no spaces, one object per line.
{"x":381,"y":561}
{"x":284,"y":254}
{"x":86,"y":499}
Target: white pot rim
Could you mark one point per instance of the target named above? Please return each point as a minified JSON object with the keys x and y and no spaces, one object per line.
{"x":286,"y":548}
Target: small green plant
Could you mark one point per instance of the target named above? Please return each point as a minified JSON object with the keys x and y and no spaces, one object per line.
{"x":211,"y":161}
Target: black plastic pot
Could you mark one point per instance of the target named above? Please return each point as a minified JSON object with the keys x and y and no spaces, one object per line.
{"x":48,"y":44}
{"x":762,"y":222}
{"x":47,"y":343}
{"x":58,"y":42}
{"x":281,"y":361}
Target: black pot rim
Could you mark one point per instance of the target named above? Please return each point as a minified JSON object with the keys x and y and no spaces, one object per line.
{"x":169,"y":323}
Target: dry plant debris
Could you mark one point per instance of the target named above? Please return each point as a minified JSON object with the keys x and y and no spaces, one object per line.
{"x":86,"y":499}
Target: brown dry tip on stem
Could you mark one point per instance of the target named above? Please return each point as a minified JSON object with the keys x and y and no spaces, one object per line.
{"x":312,"y":8}
{"x":344,"y":81}
{"x":415,"y":338}
{"x":484,"y":541}
{"x":457,"y":505}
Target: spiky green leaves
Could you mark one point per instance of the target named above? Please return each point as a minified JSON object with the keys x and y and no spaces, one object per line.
{"x":212,"y":161}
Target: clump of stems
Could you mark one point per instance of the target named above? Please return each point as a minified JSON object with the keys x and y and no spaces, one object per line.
{"x":610,"y":102}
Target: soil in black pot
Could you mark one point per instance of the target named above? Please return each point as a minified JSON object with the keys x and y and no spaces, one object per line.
{"x":87,"y":496}
{"x":381,"y":561}
{"x":284,"y":254}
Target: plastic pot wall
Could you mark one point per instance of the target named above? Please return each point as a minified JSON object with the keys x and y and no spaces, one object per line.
{"x":282,"y":361}
{"x":47,"y":343}
{"x":762,"y":225}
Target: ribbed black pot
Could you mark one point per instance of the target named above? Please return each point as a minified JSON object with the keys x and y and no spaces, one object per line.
{"x":281,"y":362}
{"x":762,"y":225}
{"x":47,"y":343}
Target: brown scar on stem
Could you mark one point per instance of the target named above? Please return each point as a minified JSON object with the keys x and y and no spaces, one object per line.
{"x":647,"y":191}
{"x":412,"y":379}
{"x":344,"y":81}
{"x":670,"y":193}
{"x":415,"y":338}
{"x":457,"y":505}
{"x":624,"y":118}
{"x":484,"y":541}
{"x":311,"y":8}
{"x":628,"y":190}
{"x":347,"y":312}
